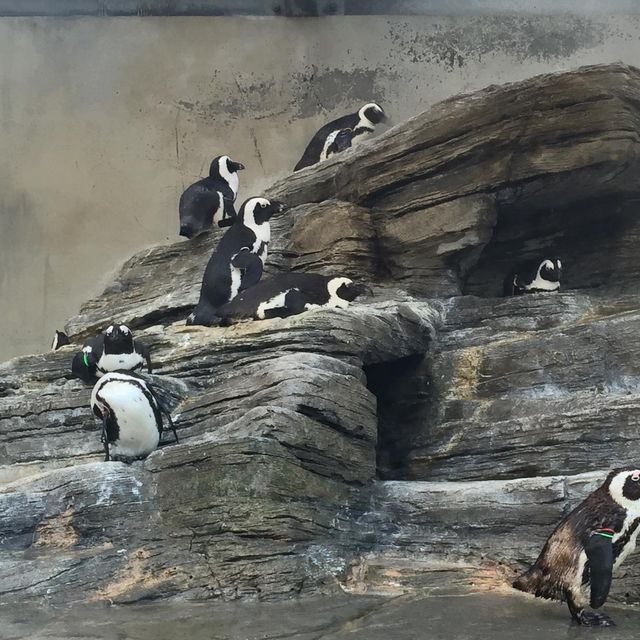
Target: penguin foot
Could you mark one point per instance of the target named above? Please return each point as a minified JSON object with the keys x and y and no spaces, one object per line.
{"x":593,"y":619}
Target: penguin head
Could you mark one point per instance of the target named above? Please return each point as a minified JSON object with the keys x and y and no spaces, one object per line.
{"x":223,"y":167}
{"x":624,"y":487}
{"x":118,"y":339}
{"x":372,"y":112}
{"x":550,"y":269}
{"x":59,"y":340}
{"x":256,"y":211}
{"x":345,"y":289}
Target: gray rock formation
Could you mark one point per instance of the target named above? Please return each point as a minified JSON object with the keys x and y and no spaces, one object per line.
{"x":428,"y":437}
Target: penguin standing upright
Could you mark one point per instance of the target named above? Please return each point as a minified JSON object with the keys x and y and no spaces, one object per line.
{"x":211,"y":199}
{"x":131,"y":416}
{"x":238,"y":260}
{"x":533,"y":276}
{"x":345,"y":130}
{"x":113,"y":350}
{"x":288,"y":294}
{"x":578,"y":559}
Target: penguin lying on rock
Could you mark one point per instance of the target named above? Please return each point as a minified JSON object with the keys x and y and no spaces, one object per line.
{"x":339,"y":132}
{"x":113,"y":350}
{"x":577,"y":562}
{"x":533,"y":276}
{"x":131,"y":416}
{"x":211,"y":199}
{"x":288,"y":294}
{"x":238,"y":260}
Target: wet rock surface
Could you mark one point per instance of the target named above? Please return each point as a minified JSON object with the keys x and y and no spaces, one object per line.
{"x":427,"y":438}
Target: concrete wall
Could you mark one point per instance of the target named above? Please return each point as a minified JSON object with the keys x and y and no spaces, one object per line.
{"x":103,"y":121}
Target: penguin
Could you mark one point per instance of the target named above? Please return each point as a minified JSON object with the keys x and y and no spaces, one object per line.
{"x":533,"y":276}
{"x":288,"y":294}
{"x":60,"y":339}
{"x":131,"y":416}
{"x":360,"y":123}
{"x":113,"y":350}
{"x":578,"y":559}
{"x":238,"y":260}
{"x":211,"y":199}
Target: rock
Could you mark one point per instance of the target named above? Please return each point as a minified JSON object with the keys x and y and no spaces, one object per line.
{"x":429,"y":437}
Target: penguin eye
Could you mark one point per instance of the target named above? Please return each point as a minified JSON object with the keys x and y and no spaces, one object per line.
{"x":559,"y":264}
{"x":548,"y":264}
{"x":636,"y":476}
{"x":110,"y":330}
{"x":124,"y":328}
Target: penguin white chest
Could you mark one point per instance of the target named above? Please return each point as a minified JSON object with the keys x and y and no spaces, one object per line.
{"x":236,"y":281}
{"x":119,"y":362}
{"x":631,"y":544}
{"x":233,"y":182}
{"x":218,"y":214}
{"x":138,"y":430}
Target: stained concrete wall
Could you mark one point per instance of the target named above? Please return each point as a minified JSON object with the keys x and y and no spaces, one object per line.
{"x":103,"y":121}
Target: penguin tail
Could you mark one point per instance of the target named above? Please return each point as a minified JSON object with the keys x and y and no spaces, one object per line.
{"x":529,"y":581}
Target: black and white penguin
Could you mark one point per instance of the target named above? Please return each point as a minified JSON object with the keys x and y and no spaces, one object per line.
{"x":131,"y":416}
{"x":288,"y":294}
{"x":577,"y":562}
{"x":533,"y":276}
{"x":113,"y":350}
{"x":350,"y":127}
{"x":60,"y":339}
{"x":211,"y":199}
{"x":238,"y":260}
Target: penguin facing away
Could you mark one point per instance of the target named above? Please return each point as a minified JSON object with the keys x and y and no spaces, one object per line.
{"x":131,"y":416}
{"x":533,"y":276}
{"x":288,"y":294}
{"x":362,"y":122}
{"x":113,"y":350}
{"x":578,"y":559}
{"x":238,"y":260}
{"x":211,"y":199}
{"x":60,"y":339}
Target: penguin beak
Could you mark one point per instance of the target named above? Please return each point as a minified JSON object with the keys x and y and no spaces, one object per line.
{"x":239,"y":166}
{"x":362,"y":290}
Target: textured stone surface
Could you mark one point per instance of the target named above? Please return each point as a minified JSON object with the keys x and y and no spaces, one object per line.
{"x":421,"y":439}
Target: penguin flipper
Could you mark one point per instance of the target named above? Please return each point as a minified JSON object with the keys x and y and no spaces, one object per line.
{"x":229,"y":214}
{"x":251,"y":267}
{"x":105,"y":437}
{"x":599,"y":550}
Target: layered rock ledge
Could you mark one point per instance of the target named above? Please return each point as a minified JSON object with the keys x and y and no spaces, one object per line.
{"x":429,"y":436}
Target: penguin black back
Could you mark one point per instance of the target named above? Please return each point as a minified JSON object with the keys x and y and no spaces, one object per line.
{"x":359,"y":123}
{"x":211,"y":199}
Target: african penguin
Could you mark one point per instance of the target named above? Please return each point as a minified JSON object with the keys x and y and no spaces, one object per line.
{"x":362,"y":122}
{"x":238,"y":260}
{"x":577,"y":561}
{"x":113,"y":350}
{"x":211,"y":199}
{"x":533,"y":276}
{"x":288,"y":294}
{"x":131,"y":416}
{"x":60,"y":339}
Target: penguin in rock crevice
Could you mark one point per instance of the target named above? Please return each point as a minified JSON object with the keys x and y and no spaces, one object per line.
{"x":113,"y":350}
{"x":341,"y":133}
{"x":238,"y":260}
{"x":533,"y":276}
{"x":578,"y":560}
{"x":211,"y":199}
{"x":131,"y":416}
{"x":288,"y":294}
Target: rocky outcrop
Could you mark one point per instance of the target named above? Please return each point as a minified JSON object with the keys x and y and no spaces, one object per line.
{"x":429,"y":435}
